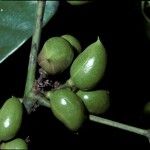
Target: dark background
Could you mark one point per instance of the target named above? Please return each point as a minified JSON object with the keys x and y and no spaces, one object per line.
{"x":121,"y":30}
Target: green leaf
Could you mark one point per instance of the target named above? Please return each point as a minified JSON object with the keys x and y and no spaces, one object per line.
{"x":17,"y":20}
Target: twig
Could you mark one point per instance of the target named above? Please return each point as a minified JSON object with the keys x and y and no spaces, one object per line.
{"x":34,"y":48}
{"x":122,"y":126}
{"x":28,"y":102}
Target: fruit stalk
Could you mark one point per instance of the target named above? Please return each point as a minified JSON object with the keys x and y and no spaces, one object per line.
{"x":42,"y":100}
{"x":33,"y":54}
{"x":122,"y":126}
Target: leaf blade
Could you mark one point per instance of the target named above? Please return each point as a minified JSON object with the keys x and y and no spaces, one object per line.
{"x":17,"y":23}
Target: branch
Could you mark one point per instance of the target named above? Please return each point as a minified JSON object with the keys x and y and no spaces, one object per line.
{"x":34,"y":48}
{"x":30,"y":81}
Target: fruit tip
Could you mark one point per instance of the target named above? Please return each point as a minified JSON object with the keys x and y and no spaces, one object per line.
{"x":98,"y":39}
{"x":99,"y":42}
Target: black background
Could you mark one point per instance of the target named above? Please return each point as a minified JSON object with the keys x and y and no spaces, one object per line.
{"x":121,"y":30}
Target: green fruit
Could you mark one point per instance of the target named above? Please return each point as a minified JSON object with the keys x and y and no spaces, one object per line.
{"x":18,"y":143}
{"x":10,"y":118}
{"x":73,"y":41}
{"x":147,"y":108}
{"x":89,"y":67}
{"x":96,"y":102}
{"x":77,"y":2}
{"x":56,"y":55}
{"x":68,"y":108}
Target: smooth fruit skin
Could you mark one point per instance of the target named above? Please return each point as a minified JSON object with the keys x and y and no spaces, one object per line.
{"x":68,"y":108}
{"x":10,"y":118}
{"x":77,"y":2}
{"x":96,"y":102}
{"x":56,"y":55}
{"x":16,"y":144}
{"x":89,"y":67}
{"x":74,"y":42}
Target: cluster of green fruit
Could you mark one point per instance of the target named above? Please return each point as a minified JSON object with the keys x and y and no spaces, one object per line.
{"x":87,"y":69}
{"x":69,"y":103}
